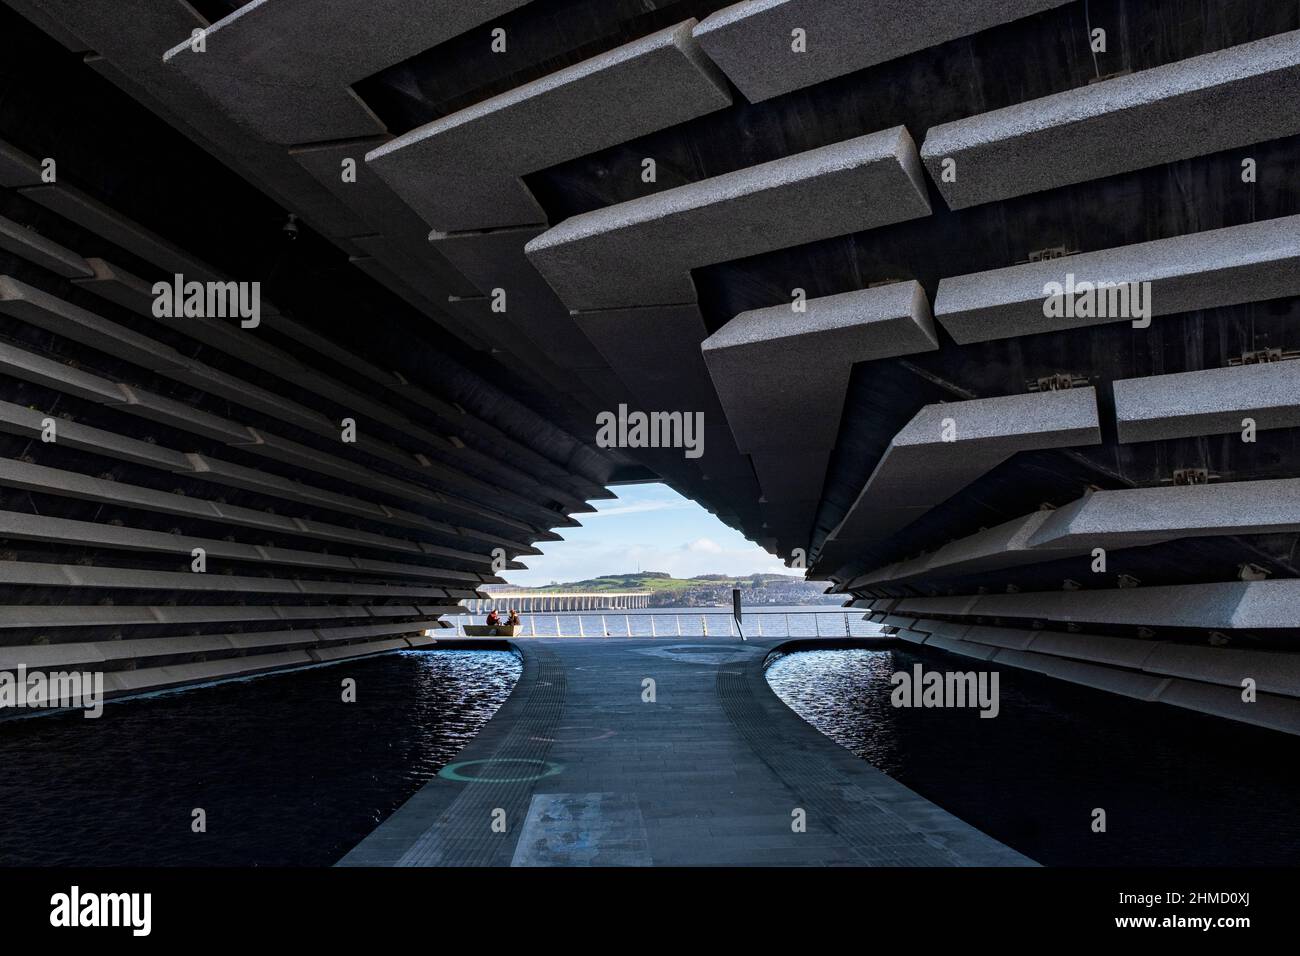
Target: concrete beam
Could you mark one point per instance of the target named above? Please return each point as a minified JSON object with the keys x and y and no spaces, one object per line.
{"x":40,"y":574}
{"x":39,"y":308}
{"x":88,"y":212}
{"x":920,"y":469}
{"x":1210,"y":401}
{"x":371,"y":200}
{"x":285,"y":68}
{"x":752,"y":41}
{"x":1222,"y":100}
{"x":655,"y":351}
{"x":494,"y":259}
{"x":641,"y":252}
{"x":462,"y":172}
{"x":46,"y":311}
{"x":98,"y":615}
{"x":754,"y":358}
{"x":1127,"y":518}
{"x":31,"y":245}
{"x":1252,"y":605}
{"x":17,"y":168}
{"x":1204,"y":270}
{"x":1138,"y":516}
{"x":789,"y":433}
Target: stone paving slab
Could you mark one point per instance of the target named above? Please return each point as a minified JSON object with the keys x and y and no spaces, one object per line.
{"x":578,"y":768}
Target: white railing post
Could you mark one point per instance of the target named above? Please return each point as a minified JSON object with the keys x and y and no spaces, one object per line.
{"x":532,"y":625}
{"x":652,"y":626}
{"x":678,"y":619}
{"x":604,"y":627}
{"x":704,"y":625}
{"x":627,"y":625}
{"x":580,"y":631}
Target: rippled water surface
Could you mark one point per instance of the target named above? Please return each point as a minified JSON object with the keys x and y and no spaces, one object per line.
{"x":287,"y":773}
{"x":1178,"y":788}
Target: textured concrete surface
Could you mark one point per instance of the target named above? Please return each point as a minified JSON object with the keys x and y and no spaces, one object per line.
{"x":920,"y":469}
{"x":32,"y":246}
{"x":21,"y":526}
{"x":463,"y":171}
{"x":1203,"y":270}
{"x":370,"y":198}
{"x":710,"y":774}
{"x":1126,"y":518}
{"x":257,"y":442}
{"x":655,"y":352}
{"x":1204,"y":679}
{"x":494,"y":259}
{"x":1222,"y":605}
{"x":284,"y":68}
{"x":17,"y":168}
{"x":1140,"y":515}
{"x":1210,"y":401}
{"x":782,"y":374}
{"x":128,"y":37}
{"x":1222,"y":100}
{"x":752,"y":40}
{"x":641,"y":252}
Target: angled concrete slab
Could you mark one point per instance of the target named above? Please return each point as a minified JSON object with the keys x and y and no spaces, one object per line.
{"x":17,"y":168}
{"x":1232,"y":605}
{"x":284,"y":68}
{"x":782,"y":374}
{"x":1204,"y":270}
{"x":493,"y":261}
{"x":641,"y":252}
{"x":1244,"y":94}
{"x":370,"y":198}
{"x":1210,"y":401}
{"x":922,"y":469}
{"x":31,"y":245}
{"x":1125,"y":518}
{"x":753,"y":41}
{"x":462,"y":172}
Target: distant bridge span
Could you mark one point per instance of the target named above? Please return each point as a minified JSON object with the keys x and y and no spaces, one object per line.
{"x":540,"y":601}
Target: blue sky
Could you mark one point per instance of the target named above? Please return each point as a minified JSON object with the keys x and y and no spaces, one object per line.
{"x":647,"y":528}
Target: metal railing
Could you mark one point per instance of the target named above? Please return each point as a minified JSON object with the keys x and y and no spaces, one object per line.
{"x":836,"y":622}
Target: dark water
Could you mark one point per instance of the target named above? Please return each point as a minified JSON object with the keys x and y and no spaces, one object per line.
{"x":1178,"y":788}
{"x":287,"y":772}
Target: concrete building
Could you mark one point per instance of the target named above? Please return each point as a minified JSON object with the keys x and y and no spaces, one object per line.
{"x":993,"y":331}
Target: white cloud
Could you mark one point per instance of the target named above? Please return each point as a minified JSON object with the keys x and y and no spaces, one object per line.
{"x":703,"y":546}
{"x":639,"y":507}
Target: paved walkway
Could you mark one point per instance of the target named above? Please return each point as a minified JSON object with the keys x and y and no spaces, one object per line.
{"x":578,"y":768}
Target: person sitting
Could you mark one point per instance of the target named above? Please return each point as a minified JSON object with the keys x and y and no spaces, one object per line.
{"x":493,"y":618}
{"x":513,"y":619}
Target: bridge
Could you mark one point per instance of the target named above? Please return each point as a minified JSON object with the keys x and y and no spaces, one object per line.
{"x":559,"y":601}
